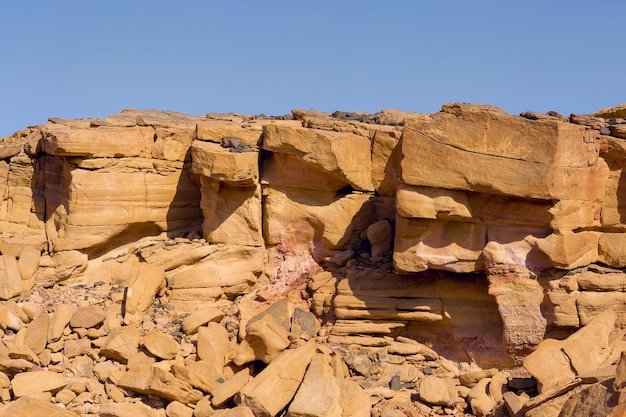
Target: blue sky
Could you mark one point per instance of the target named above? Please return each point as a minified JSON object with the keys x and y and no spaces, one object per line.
{"x":90,"y":59}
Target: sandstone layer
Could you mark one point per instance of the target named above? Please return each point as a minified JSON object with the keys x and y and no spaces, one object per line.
{"x":476,"y":231}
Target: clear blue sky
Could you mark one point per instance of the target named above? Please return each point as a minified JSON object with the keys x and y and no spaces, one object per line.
{"x":74,"y":58}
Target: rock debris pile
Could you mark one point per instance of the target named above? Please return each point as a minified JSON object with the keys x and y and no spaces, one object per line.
{"x":70,"y":351}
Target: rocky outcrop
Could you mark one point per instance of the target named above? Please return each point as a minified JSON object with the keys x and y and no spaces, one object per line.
{"x":470,"y":229}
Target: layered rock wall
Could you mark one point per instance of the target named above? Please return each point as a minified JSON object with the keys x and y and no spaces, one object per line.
{"x":470,"y":226}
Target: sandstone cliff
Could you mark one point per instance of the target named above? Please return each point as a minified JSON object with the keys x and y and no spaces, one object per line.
{"x":471,"y":228}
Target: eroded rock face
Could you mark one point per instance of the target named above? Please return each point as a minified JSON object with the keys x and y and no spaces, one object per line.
{"x":471,"y":224}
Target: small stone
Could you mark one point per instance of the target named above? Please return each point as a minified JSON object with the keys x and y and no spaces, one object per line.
{"x":177,"y":409}
{"x":479,"y":399}
{"x":11,"y":316}
{"x":267,"y":338}
{"x":341,"y":258}
{"x":44,"y":357}
{"x":620,"y":372}
{"x":142,"y":357}
{"x":77,"y":386}
{"x":56,"y":346}
{"x":88,"y":317}
{"x":395,"y":383}
{"x":65,"y":396}
{"x":438,"y":391}
{"x":392,"y":359}
{"x":32,"y":310}
{"x":84,"y":366}
{"x":213,"y":344}
{"x":385,"y":412}
{"x":360,"y":363}
{"x":147,"y":379}
{"x":5,"y":394}
{"x":200,"y":318}
{"x":60,"y":319}
{"x":204,"y":408}
{"x":73,"y":348}
{"x":226,"y":390}
{"x":122,"y":343}
{"x":514,"y":403}
{"x":472,"y":378}
{"x":161,"y":345}
{"x":498,"y":386}
{"x":406,"y":372}
{"x":304,"y":324}
{"x":114,"y":393}
{"x":36,"y":336}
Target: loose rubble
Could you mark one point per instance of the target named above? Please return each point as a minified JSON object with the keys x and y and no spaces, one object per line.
{"x":70,"y":351}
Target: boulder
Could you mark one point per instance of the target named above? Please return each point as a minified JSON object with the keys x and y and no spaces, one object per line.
{"x":107,"y":202}
{"x":201,"y":317}
{"x":215,"y":162}
{"x":318,"y":395}
{"x":304,"y":324}
{"x":479,"y":398}
{"x":611,"y":112}
{"x":549,"y":365}
{"x":27,"y":383}
{"x":232,"y":214}
{"x":148,"y":379}
{"x":227,"y":389}
{"x":596,"y":400}
{"x":213,"y":344}
{"x":33,"y":407}
{"x":380,"y":236}
{"x":324,"y":160}
{"x":484,"y":149}
{"x":201,"y":375}
{"x":140,"y":295}
{"x":61,"y":317}
{"x":438,"y":391}
{"x":386,"y":161}
{"x":272,"y":389}
{"x":73,"y":348}
{"x":178,"y":409}
{"x":353,"y":399}
{"x":127,"y":409}
{"x":470,"y":379}
{"x":121,"y":343}
{"x":267,"y":338}
{"x":570,"y":250}
{"x":172,"y":143}
{"x":36,"y":334}
{"x":88,"y":316}
{"x":102,"y":141}
{"x":10,"y":278}
{"x":555,"y":363}
{"x":588,"y":348}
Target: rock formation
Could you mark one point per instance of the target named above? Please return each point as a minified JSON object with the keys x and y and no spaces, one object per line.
{"x":430,"y":248}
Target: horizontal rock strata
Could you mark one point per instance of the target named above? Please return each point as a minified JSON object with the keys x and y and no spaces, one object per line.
{"x":473,"y":231}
